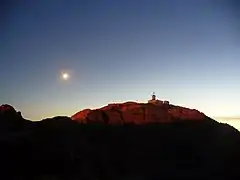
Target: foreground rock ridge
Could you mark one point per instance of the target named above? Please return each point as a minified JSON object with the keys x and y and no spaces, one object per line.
{"x":138,"y":113}
{"x":88,"y":147}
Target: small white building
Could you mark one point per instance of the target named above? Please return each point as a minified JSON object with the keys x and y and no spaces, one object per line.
{"x":166,"y":102}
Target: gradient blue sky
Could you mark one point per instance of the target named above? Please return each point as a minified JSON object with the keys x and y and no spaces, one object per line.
{"x":187,"y":51}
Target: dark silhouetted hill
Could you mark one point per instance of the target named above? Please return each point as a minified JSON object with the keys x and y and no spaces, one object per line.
{"x":10,"y":119}
{"x":61,"y":148}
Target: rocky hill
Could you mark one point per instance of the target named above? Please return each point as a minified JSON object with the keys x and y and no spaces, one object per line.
{"x":189,"y":146}
{"x":10,"y":119}
{"x":138,"y":113}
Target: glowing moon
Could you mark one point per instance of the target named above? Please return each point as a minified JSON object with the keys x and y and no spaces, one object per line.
{"x":65,"y":76}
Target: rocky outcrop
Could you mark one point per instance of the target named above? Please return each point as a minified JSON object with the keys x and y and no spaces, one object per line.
{"x":10,"y":119}
{"x":138,"y":113}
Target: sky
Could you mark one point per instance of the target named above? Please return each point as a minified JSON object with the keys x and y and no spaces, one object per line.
{"x":187,"y":52}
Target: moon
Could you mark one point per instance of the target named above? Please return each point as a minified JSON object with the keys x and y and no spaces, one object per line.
{"x":65,"y":76}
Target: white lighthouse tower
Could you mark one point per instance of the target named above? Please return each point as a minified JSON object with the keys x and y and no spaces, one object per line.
{"x":154,"y":100}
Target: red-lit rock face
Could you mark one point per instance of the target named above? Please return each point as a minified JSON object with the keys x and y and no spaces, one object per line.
{"x":138,"y":113}
{"x":82,"y":115}
{"x":6,"y":109}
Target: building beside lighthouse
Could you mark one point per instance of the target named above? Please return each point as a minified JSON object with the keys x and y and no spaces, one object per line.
{"x":156,"y":101}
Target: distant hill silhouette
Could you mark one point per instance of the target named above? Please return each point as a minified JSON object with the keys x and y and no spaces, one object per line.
{"x":62,"y":148}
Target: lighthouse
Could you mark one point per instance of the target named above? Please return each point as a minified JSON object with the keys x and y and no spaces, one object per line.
{"x":154,"y":100}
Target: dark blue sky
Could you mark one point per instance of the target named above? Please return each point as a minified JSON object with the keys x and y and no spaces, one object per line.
{"x":186,"y":51}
